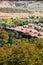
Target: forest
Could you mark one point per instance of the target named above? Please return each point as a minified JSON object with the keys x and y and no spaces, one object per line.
{"x":17,"y":50}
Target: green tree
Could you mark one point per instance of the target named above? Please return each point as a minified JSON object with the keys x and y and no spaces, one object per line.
{"x":3,"y":57}
{"x":3,"y":37}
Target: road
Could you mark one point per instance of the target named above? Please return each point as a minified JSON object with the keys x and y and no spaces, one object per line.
{"x":20,"y":15}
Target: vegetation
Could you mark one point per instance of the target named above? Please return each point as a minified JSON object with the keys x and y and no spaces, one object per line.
{"x":3,"y":37}
{"x":18,"y":49}
{"x":13,"y":10}
{"x":13,"y":22}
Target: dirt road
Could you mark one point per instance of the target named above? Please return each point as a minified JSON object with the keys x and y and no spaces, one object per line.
{"x":20,"y":15}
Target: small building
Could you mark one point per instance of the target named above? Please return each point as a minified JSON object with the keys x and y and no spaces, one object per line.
{"x":25,"y":26}
{"x":39,"y":24}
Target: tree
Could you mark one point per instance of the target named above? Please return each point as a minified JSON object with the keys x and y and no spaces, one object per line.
{"x":11,"y":37}
{"x":3,"y":37}
{"x":3,"y":57}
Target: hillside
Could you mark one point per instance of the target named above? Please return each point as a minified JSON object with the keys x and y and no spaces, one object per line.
{"x":13,"y":6}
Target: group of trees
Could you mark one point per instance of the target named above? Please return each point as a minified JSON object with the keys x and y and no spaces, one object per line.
{"x":3,"y":37}
{"x":11,"y":36}
{"x":23,"y":53}
{"x":35,"y":19}
{"x":20,"y":51}
{"x":8,"y":37}
{"x":13,"y":22}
